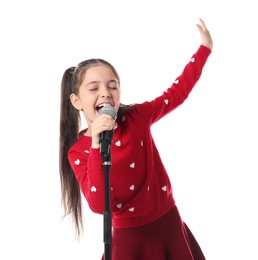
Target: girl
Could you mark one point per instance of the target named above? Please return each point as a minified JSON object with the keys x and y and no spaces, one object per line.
{"x":146,"y":224}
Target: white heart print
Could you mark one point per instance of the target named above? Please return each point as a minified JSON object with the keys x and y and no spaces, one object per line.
{"x":119,"y":205}
{"x":132,"y":187}
{"x":77,"y":162}
{"x":164,"y":188}
{"x":118,"y":143}
{"x":166,"y":101}
{"x":131,"y":209}
{"x":93,"y":189}
{"x":132,"y":165}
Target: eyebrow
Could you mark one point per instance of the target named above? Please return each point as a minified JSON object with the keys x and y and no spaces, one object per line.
{"x":92,"y":82}
{"x":96,"y":81}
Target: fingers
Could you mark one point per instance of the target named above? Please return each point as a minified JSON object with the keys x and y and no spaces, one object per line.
{"x":103,"y":123}
{"x":205,"y":34}
{"x":203,"y":24}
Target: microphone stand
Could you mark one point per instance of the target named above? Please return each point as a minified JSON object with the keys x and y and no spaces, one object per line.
{"x":107,"y":215}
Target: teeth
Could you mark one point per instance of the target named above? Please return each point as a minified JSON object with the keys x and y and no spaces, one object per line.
{"x":104,"y":105}
{"x":99,"y":107}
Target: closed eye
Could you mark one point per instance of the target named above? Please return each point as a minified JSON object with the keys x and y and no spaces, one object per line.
{"x":113,"y":85}
{"x":93,"y":89}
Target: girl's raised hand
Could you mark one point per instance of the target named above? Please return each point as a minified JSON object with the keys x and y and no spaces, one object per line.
{"x":205,"y":34}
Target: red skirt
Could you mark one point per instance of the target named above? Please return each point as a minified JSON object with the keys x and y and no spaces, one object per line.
{"x":168,"y":238}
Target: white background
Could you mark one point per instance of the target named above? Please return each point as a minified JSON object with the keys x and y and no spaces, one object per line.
{"x":208,"y":145}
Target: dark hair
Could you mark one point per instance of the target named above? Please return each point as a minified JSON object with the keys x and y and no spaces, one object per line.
{"x":70,"y":123}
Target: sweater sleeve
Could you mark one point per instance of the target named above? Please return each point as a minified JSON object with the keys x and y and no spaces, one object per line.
{"x":178,"y":91}
{"x":87,"y":167}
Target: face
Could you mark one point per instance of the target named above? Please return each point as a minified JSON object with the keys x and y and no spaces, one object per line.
{"x":99,"y":86}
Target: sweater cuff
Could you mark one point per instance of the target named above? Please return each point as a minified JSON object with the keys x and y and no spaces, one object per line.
{"x":205,"y":49}
{"x":95,"y":153}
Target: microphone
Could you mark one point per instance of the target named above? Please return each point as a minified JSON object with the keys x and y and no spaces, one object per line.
{"x":106,"y":136}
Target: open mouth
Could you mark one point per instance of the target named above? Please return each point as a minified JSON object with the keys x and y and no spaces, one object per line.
{"x":100,"y":106}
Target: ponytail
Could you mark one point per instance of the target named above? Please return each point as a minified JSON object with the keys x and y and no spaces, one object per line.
{"x":69,"y":127}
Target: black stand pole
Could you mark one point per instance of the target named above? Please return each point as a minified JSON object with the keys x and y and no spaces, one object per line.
{"x":107,"y":215}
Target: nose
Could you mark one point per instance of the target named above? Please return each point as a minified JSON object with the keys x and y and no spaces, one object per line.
{"x":105,"y":92}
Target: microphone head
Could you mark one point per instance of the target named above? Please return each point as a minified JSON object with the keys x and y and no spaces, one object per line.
{"x":108,"y":110}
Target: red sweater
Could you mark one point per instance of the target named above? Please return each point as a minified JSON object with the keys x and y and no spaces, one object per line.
{"x":141,"y":191}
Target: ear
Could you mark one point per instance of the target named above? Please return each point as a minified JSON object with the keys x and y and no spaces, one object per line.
{"x":75,"y":101}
